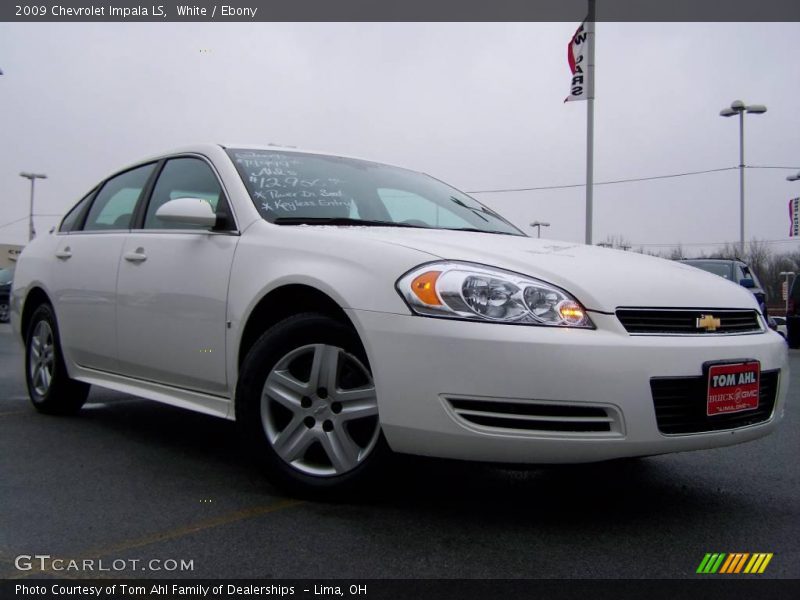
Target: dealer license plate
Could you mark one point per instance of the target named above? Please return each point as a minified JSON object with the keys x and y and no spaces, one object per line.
{"x":733,"y":387}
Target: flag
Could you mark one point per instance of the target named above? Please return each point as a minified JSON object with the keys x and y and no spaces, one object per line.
{"x":794,"y":217}
{"x":577,"y":56}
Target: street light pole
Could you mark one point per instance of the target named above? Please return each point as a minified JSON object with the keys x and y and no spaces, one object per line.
{"x":539,"y":225}
{"x":739,"y":107}
{"x":32,"y":177}
{"x":590,"y":67}
{"x":741,"y":184}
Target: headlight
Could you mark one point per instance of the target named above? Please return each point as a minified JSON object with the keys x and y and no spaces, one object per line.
{"x":467,"y":291}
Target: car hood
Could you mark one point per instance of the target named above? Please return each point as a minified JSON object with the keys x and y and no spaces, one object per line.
{"x":601,"y":279}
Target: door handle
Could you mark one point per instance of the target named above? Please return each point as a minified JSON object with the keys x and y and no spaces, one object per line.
{"x":135,"y":257}
{"x":64,"y":254}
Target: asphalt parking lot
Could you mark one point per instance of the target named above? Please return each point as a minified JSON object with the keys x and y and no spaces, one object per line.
{"x":134,"y":480}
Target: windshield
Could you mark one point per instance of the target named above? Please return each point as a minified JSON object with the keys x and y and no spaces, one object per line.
{"x":723,"y":269}
{"x":6,"y":276}
{"x":293,"y":188}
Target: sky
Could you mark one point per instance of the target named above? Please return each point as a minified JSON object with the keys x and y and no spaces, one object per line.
{"x":477,"y":105}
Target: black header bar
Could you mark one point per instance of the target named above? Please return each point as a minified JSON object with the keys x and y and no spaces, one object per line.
{"x":707,"y":587}
{"x":395,"y":10}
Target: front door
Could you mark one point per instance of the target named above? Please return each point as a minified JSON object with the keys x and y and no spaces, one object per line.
{"x":173,"y":287}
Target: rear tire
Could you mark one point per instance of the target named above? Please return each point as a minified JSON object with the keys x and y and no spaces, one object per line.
{"x":307,"y":406}
{"x":49,"y":387}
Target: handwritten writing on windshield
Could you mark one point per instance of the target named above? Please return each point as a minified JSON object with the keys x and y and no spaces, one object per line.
{"x":279,"y":184}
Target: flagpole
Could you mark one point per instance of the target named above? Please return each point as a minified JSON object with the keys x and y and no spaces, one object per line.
{"x":590,"y":25}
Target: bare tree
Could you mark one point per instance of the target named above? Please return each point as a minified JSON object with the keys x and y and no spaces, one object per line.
{"x":728,"y":251}
{"x":616,"y":241}
{"x":758,"y":256}
{"x":676,"y":253}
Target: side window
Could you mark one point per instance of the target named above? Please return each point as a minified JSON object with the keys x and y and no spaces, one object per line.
{"x":748,"y":274}
{"x":71,"y":221}
{"x":184,"y":178}
{"x":742,"y":273}
{"x":407,"y":206}
{"x":113,"y":206}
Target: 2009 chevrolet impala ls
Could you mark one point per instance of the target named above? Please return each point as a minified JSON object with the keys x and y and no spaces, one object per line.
{"x":341,"y":309}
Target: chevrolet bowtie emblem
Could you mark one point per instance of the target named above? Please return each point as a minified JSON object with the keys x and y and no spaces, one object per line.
{"x":708,"y":322}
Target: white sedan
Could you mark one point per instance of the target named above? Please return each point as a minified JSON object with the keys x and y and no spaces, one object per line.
{"x":340,"y":309}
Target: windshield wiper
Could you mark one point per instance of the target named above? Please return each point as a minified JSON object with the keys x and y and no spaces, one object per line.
{"x":475,"y":229}
{"x":341,"y":221}
{"x":371,"y":223}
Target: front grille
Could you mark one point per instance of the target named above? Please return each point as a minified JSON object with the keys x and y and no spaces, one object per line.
{"x":535,"y":416}
{"x":684,"y":321}
{"x":680,"y":404}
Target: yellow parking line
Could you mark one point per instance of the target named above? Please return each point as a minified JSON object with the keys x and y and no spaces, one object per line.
{"x":15,"y":412}
{"x":247,"y":513}
{"x":239,"y":515}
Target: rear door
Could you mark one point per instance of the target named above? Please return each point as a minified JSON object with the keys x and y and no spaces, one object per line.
{"x":85,"y":265}
{"x":173,"y":286}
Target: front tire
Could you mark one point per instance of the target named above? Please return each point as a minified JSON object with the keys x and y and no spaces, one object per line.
{"x":307,"y":404}
{"x":49,"y":387}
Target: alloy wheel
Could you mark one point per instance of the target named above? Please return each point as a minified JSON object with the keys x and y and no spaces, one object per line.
{"x":42,"y":356}
{"x":319,"y":410}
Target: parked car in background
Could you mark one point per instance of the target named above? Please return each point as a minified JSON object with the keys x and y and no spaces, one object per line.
{"x":793,"y":315}
{"x":6,"y":278}
{"x":733,"y":270}
{"x":340,"y":309}
{"x":780,"y":326}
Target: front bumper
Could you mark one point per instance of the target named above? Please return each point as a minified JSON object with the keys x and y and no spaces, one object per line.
{"x":421,"y":364}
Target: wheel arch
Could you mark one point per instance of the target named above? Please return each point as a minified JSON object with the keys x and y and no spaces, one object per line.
{"x":33,"y":300}
{"x":285,"y":301}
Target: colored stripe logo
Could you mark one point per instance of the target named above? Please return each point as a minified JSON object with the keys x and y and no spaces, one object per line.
{"x":736,"y":562}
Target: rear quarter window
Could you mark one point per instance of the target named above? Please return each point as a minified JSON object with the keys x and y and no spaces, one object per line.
{"x":114,"y":204}
{"x":72,"y":220}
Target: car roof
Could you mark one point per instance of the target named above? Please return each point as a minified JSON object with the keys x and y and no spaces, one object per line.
{"x":736,"y":260}
{"x":294,"y":149}
{"x":211,"y":148}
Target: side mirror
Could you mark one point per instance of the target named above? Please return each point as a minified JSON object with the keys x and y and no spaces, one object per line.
{"x":187,"y":211}
{"x":747,"y":282}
